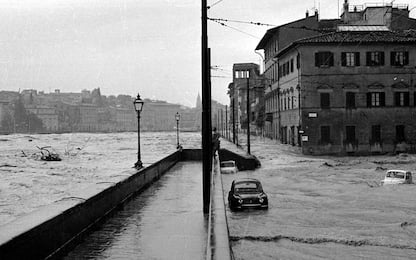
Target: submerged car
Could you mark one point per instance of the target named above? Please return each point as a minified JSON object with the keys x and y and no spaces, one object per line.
{"x":228,"y":167}
{"x":247,"y":193}
{"x":397,"y":177}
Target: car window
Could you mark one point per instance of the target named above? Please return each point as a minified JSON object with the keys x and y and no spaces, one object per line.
{"x":399,"y":175}
{"x":247,"y":187}
{"x":227,"y":164}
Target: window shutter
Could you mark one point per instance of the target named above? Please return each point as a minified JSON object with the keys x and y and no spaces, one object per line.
{"x":331,"y":59}
{"x":406,"y":99}
{"x":382,"y":99}
{"x":298,"y":61}
{"x":357,"y":59}
{"x":368,"y":99}
{"x":406,"y":58}
{"x":392,"y":55}
{"x":382,"y":58}
{"x":343,"y":59}
{"x":368,"y":58}
{"x":317,"y":63}
{"x":397,"y":99}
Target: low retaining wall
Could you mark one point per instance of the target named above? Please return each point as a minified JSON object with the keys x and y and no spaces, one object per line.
{"x":244,"y":162}
{"x":41,"y":235}
{"x":218,"y":243}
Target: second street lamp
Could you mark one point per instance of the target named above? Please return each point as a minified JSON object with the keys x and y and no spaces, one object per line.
{"x":138,"y":106}
{"x":177,"y":117}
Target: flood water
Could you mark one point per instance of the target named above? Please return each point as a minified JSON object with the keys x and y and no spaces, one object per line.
{"x":325,"y":208}
{"x":165,"y":221}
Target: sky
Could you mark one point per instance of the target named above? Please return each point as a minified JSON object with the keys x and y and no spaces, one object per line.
{"x":151,"y":47}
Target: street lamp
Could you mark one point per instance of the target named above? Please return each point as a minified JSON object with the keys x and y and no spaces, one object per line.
{"x":177,"y":117}
{"x":138,"y":106}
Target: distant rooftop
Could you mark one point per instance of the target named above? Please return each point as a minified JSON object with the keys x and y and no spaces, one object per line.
{"x":359,"y":8}
{"x":362,"y":28}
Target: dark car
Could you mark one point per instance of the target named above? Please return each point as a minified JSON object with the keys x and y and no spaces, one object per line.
{"x":246,"y":193}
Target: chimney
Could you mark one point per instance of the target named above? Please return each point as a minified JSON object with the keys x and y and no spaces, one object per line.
{"x":307,"y":13}
{"x":346,"y":11}
{"x":316,"y":14}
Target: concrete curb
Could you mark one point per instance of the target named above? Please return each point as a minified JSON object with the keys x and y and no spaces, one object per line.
{"x":218,"y":245}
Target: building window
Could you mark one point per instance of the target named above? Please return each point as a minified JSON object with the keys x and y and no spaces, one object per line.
{"x":401,"y":99}
{"x":291,"y":65}
{"x":350,"y":59}
{"x":350,"y":133}
{"x":375,"y":134}
{"x":376,"y":99}
{"x":324,"y":59}
{"x":399,"y":58}
{"x":375,"y":58}
{"x":325,"y":134}
{"x":350,"y":100}
{"x":325,"y":103}
{"x":400,"y":136}
{"x":298,"y":61}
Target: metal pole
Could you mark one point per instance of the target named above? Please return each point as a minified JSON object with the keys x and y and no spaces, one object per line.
{"x":139,"y":163}
{"x":222,"y":123}
{"x":248,"y":114}
{"x":226,"y":124}
{"x":206,"y":111}
{"x":177,"y":133}
{"x":233,"y":108}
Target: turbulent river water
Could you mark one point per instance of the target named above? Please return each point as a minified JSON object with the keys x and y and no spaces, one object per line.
{"x":88,"y":159}
{"x":325,"y":208}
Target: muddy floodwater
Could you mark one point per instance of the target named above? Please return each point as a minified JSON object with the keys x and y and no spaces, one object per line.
{"x":325,"y":208}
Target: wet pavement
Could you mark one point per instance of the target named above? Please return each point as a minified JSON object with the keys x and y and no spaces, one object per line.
{"x":163,"y":222}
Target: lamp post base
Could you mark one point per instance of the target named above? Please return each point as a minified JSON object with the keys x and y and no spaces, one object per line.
{"x":138,"y":165}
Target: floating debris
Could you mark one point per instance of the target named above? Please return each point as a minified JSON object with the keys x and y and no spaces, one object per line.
{"x":48,"y":155}
{"x":327,"y":164}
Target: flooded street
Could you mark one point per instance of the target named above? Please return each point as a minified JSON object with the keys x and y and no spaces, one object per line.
{"x":163,"y":222}
{"x":325,"y":208}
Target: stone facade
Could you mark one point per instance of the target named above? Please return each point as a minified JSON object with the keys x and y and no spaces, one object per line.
{"x":349,"y":89}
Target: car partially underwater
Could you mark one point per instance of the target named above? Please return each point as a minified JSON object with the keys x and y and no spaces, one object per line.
{"x":228,"y":167}
{"x":397,"y":177}
{"x":247,"y":193}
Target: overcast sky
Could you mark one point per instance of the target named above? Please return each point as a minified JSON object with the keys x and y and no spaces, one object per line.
{"x":130,"y":46}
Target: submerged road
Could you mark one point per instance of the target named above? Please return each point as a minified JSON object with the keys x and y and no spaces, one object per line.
{"x":165,"y":221}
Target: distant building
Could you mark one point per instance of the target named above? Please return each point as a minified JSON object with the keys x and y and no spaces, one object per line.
{"x":246,"y":75}
{"x":158,"y":116}
{"x":48,"y":115}
{"x":346,"y":85}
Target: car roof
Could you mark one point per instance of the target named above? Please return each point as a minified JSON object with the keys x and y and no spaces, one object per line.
{"x":398,"y":171}
{"x":245,"y":180}
{"x":228,"y":161}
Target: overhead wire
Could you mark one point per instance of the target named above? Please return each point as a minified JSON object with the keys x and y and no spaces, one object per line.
{"x":238,"y":30}
{"x":238,"y":21}
{"x":214,"y":4}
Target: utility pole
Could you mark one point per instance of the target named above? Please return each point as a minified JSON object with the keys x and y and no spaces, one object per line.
{"x":248,"y":112}
{"x":226,"y":124}
{"x":206,"y":111}
{"x":233,"y":109}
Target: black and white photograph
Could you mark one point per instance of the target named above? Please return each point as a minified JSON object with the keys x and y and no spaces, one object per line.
{"x":207,"y":129}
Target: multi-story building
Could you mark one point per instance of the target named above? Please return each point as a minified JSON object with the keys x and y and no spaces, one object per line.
{"x":246,"y":75}
{"x":158,"y":116}
{"x":48,"y":116}
{"x":347,"y":89}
